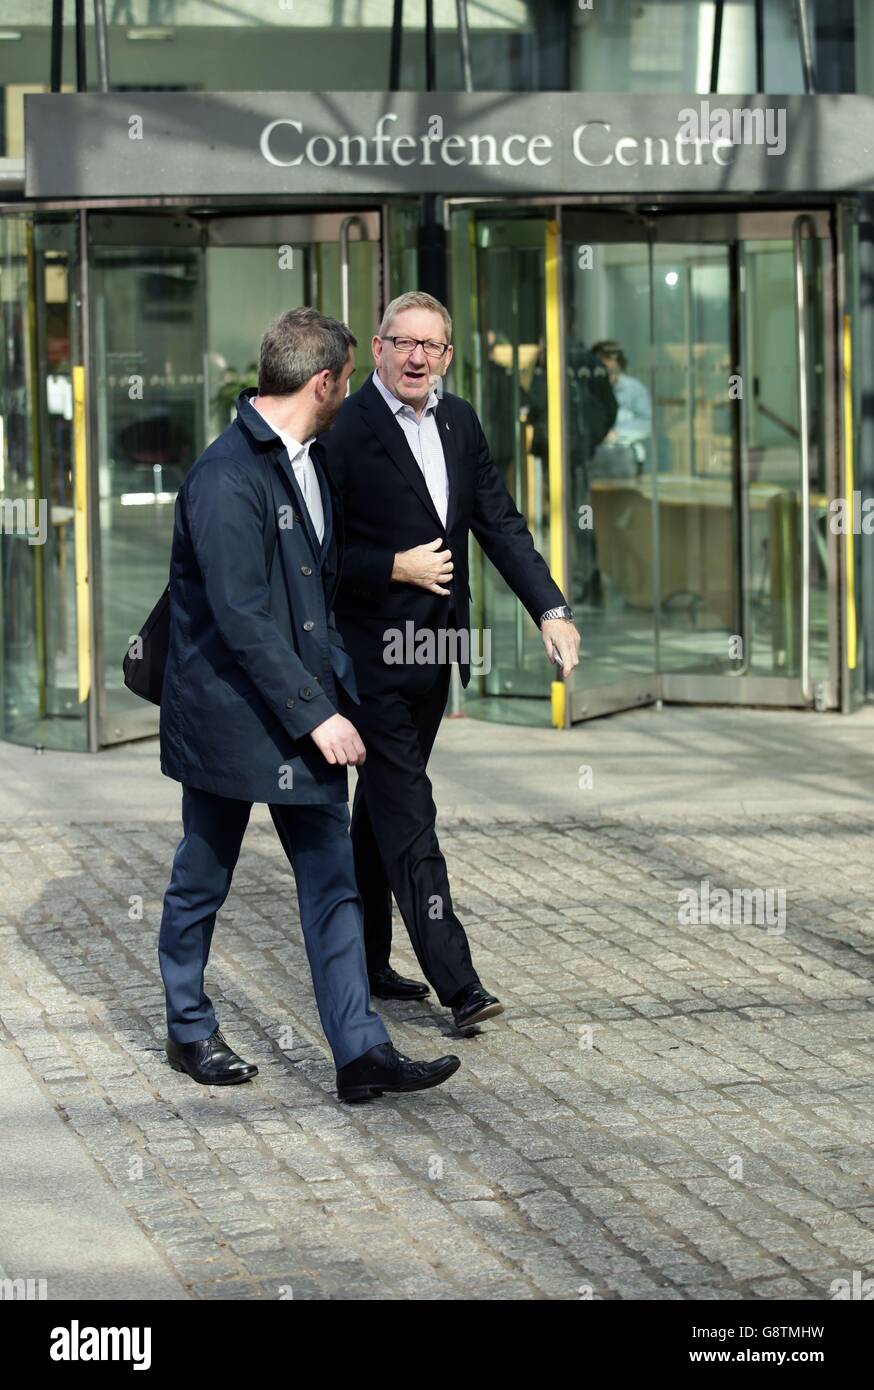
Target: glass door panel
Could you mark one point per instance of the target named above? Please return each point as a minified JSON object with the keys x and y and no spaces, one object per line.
{"x":44,"y":615}
{"x":500,"y":292}
{"x":148,"y":388}
{"x":695,"y":450}
{"x":259,"y":266}
{"x":247,"y":287}
{"x":65,"y":590}
{"x":609,"y":377}
{"x":774,"y":452}
{"x":354,"y":261}
{"x":22,"y":563}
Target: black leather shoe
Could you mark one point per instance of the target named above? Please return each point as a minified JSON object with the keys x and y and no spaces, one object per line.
{"x":474,"y":1005}
{"x":388,"y":984}
{"x":210,"y":1061}
{"x":384,"y":1069}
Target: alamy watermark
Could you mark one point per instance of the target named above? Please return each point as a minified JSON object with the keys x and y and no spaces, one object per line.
{"x":851,"y":516}
{"x":742,"y":125}
{"x":736,"y":907}
{"x":78,"y":1343}
{"x":438,"y":647}
{"x":25,"y":516}
{"x":23,"y":1290}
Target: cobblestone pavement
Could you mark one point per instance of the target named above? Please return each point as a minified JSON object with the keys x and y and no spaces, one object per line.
{"x":665,"y":1111}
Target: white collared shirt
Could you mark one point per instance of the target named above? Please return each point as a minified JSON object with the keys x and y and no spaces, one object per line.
{"x":423,"y":437}
{"x":304,"y":472}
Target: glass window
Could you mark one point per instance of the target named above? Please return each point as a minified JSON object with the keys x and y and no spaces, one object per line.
{"x":44,"y":649}
{"x":667,"y":46}
{"x":514,"y":45}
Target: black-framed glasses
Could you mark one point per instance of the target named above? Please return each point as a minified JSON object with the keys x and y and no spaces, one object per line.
{"x":431,"y":348}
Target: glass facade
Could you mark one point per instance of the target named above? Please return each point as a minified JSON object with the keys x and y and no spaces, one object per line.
{"x":672,"y":388}
{"x":513,"y":45}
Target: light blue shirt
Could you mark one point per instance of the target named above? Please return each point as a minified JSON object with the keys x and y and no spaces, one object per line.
{"x":423,"y":437}
{"x":634,"y":416}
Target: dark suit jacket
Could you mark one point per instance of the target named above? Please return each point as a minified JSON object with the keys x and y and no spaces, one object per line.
{"x":387,"y":508}
{"x":254,"y":658}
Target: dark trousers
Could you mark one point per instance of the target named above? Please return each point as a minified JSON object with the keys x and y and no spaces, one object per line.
{"x":394,"y":837}
{"x":316,"y":840}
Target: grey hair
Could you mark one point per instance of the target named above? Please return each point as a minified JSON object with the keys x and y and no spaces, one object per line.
{"x":415,"y":299}
{"x":300,"y":344}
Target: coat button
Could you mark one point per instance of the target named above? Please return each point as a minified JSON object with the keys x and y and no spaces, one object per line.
{"x":306,"y":692}
{"x":308,"y":625}
{"x":289,"y":704}
{"x":305,"y":569}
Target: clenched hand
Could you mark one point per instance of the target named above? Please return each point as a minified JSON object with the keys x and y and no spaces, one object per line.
{"x":339,"y":742}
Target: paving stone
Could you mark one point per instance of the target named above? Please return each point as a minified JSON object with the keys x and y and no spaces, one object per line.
{"x":665,"y":1111}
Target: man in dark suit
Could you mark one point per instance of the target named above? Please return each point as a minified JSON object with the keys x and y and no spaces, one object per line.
{"x":416,"y":477}
{"x":249,"y":708}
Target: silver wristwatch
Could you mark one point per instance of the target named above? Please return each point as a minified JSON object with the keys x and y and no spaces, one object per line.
{"x":563,"y":612}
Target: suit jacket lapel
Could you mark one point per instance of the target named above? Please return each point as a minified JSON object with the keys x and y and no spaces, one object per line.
{"x":390,"y":434}
{"x":327,"y":508}
{"x":332,"y":551}
{"x":450,"y":454}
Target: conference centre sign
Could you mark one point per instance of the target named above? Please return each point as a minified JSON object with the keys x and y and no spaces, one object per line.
{"x":147,"y":144}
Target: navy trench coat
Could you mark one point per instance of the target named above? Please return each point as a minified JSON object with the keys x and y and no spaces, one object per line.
{"x":254,"y":657}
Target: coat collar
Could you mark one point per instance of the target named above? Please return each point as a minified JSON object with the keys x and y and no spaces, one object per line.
{"x":252,"y":420}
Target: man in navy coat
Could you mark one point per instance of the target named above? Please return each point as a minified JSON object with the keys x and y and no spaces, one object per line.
{"x":249,"y":708}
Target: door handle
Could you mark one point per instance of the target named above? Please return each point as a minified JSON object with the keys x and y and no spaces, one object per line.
{"x":345,"y":226}
{"x":803,"y":219}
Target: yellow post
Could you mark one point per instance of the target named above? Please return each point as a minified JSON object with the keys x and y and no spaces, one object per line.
{"x":80,"y":535}
{"x":849,"y":539}
{"x":555,"y":423}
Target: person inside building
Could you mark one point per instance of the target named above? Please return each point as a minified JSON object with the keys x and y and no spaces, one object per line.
{"x":591,"y":414}
{"x":623,"y":451}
